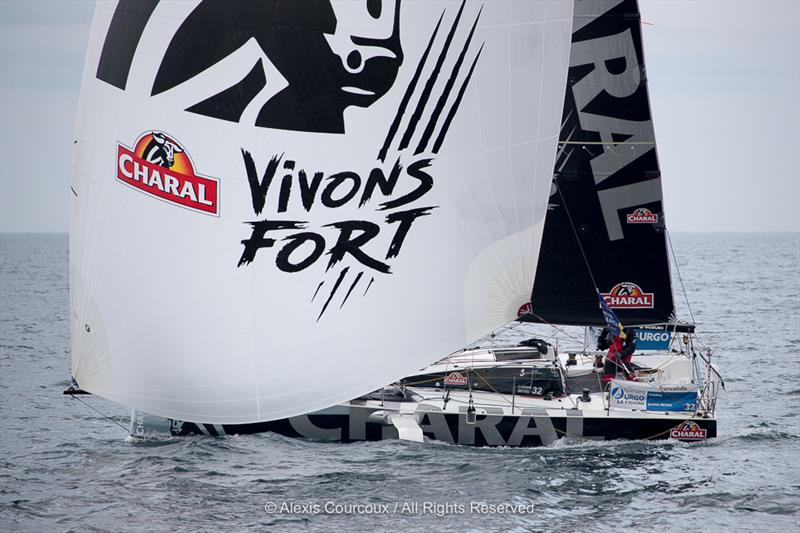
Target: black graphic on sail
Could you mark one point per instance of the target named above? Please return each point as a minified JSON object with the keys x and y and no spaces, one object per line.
{"x":327,"y":66}
{"x":325,"y":72}
{"x":124,"y":33}
{"x":428,"y":111}
{"x":606,"y":190}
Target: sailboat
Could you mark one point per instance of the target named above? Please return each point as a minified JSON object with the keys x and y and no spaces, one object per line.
{"x":279,"y":207}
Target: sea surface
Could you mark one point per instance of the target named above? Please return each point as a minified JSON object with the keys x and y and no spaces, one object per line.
{"x":64,"y":467}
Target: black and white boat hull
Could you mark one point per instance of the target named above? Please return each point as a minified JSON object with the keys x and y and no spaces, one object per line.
{"x":529,"y":423}
{"x":510,"y":396}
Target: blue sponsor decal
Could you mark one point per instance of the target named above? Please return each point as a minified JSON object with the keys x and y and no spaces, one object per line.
{"x":671,"y":401}
{"x":649,"y":339}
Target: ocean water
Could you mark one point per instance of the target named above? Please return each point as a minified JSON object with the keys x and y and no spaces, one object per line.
{"x":64,"y":467}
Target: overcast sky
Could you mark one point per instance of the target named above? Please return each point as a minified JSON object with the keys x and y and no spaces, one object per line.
{"x":724,"y":79}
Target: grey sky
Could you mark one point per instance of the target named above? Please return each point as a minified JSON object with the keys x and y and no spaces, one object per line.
{"x":725,"y":91}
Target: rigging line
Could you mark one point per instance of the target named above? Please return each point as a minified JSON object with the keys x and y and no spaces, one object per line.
{"x":615,"y":145}
{"x":680,"y":278}
{"x":575,"y":232}
{"x":509,"y":326}
{"x":127,"y":431}
{"x":554,"y":327}
{"x":502,"y":395}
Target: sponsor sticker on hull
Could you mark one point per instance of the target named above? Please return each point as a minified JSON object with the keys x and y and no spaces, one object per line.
{"x":688,"y":431}
{"x":159,"y":166}
{"x":628,"y":295}
{"x":647,"y":339}
{"x":455,"y":378}
{"x":652,"y":397}
{"x":628,"y":395}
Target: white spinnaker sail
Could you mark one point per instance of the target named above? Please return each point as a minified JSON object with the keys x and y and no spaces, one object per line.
{"x":279,"y":206}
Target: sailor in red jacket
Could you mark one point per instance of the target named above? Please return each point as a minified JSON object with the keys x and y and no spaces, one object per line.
{"x":620,"y":354}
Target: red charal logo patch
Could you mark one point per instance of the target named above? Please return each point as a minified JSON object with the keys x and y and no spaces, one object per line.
{"x":688,"y":431}
{"x":627,"y":295}
{"x":455,"y":378}
{"x":642,"y":216}
{"x":160,"y":166}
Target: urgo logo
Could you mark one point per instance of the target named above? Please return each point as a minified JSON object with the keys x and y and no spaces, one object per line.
{"x":628,"y":295}
{"x":688,"y":431}
{"x":642,"y":216}
{"x":159,"y":166}
{"x":628,"y":396}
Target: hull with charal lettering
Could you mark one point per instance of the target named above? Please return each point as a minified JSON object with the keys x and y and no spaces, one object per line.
{"x":509,"y":396}
{"x":425,"y":415}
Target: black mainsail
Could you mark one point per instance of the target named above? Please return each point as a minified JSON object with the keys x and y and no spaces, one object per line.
{"x":605,"y":229}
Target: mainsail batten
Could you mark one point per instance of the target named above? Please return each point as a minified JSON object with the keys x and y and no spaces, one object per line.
{"x":605,"y":224}
{"x":246,"y":224}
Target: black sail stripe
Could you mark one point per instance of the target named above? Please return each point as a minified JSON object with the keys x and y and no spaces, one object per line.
{"x":368,"y":286}
{"x":452,"y":113}
{"x":231,"y":103}
{"x":321,"y":283}
{"x":353,"y":286}
{"x":407,"y":96}
{"x":437,"y":111}
{"x":426,"y":92}
{"x":335,"y":288}
{"x":124,"y":32}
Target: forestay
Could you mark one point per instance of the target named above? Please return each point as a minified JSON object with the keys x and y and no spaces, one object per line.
{"x":282,"y":205}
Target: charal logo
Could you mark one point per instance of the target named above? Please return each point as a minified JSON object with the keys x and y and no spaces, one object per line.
{"x":642,"y":216}
{"x":688,"y":431}
{"x":455,"y":378}
{"x":627,"y":295}
{"x":159,"y":166}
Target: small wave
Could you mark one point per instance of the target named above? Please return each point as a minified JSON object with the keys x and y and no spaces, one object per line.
{"x":16,"y":347}
{"x":347,"y":477}
{"x":756,"y":435}
{"x":763,"y":501}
